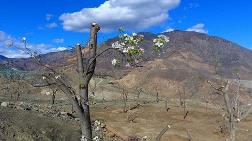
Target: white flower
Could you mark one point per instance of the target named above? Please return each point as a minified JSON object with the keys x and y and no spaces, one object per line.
{"x":131,"y":47}
{"x":117,"y":45}
{"x":96,"y":138}
{"x":125,"y":35}
{"x":114,"y":62}
{"x":134,"y":34}
{"x":97,"y":122}
{"x":154,"y":40}
{"x":83,"y":138}
{"x":125,"y":50}
{"x":165,"y":38}
{"x":43,"y":77}
{"x":57,"y":77}
{"x":48,"y":93}
{"x":238,"y":119}
{"x":158,"y":44}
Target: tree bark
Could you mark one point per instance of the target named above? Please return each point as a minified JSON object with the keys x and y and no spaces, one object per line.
{"x":85,"y":75}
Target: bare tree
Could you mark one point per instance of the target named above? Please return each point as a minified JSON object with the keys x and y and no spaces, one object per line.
{"x":125,"y":99}
{"x":189,"y":135}
{"x":235,"y":112}
{"x":14,"y":84}
{"x":182,"y":101}
{"x":85,"y":69}
{"x":158,"y":138}
{"x":157,"y":93}
{"x":166,"y":105}
{"x":139,"y":90}
{"x":51,"y":87}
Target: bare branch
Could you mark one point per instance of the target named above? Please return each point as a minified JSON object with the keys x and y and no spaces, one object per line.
{"x":158,"y":138}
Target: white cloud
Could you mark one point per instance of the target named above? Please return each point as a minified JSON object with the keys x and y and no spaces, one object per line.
{"x":14,"y":48}
{"x":58,"y":40}
{"x":198,"y":28}
{"x":112,"y":14}
{"x":52,"y":25}
{"x":169,"y":30}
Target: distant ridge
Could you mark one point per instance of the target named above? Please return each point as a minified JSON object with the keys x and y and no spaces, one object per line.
{"x":2,"y":58}
{"x":204,"y":48}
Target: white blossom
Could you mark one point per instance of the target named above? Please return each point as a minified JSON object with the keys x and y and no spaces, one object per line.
{"x":165,"y":38}
{"x":114,"y":62}
{"x":57,"y":77}
{"x":125,"y":50}
{"x":116,"y":45}
{"x":96,"y":138}
{"x":169,"y":126}
{"x":83,"y":138}
{"x":48,"y":93}
{"x":158,"y":44}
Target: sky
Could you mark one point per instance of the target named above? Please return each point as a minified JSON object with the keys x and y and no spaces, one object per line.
{"x":54,"y":25}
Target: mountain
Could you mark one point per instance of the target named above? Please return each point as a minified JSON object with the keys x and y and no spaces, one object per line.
{"x":186,"y":63}
{"x":184,"y":48}
{"x":2,"y":58}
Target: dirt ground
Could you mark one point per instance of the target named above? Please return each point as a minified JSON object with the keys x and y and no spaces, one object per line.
{"x":150,"y":119}
{"x":200,"y":124}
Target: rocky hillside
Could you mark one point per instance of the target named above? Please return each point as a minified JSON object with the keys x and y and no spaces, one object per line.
{"x":190,"y":59}
{"x":187,"y":62}
{"x":201,"y":50}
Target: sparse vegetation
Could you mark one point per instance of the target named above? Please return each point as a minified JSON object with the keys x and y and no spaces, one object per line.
{"x":156,"y":92}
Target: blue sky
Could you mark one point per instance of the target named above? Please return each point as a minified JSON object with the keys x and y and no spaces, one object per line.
{"x":51,"y":25}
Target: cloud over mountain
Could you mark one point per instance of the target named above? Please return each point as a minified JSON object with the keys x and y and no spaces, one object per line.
{"x":198,"y":28}
{"x":112,"y":14}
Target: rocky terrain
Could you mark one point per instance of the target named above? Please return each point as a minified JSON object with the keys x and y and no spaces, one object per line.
{"x":154,"y":92}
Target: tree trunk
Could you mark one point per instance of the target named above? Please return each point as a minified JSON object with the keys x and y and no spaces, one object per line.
{"x":157,"y":98}
{"x":232,"y":135}
{"x":53,"y":98}
{"x":85,"y":119}
{"x":85,"y":75}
